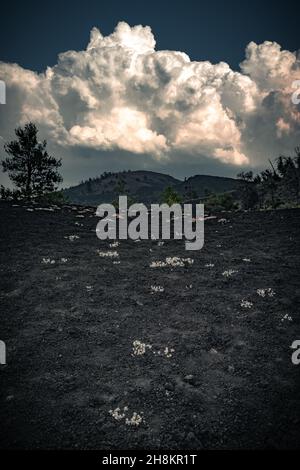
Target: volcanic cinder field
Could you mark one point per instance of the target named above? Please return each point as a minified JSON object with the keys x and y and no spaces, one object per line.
{"x":107,"y":352}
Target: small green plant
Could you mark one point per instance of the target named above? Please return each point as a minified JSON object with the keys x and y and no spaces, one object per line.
{"x":170,"y":196}
{"x":224,"y":201}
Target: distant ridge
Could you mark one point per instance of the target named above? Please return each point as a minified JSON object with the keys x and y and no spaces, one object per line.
{"x":145,"y":186}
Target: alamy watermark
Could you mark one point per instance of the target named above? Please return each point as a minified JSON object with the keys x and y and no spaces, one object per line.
{"x":296,"y":94}
{"x":296,"y":354}
{"x":155,"y":222}
{"x":2,"y":92}
{"x":2,"y":353}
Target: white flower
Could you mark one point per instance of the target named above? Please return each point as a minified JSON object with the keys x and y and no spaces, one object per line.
{"x":247,"y":260}
{"x":89,"y":288}
{"x":286,"y":317}
{"x":139,"y":348}
{"x":135,"y":420}
{"x":64,"y":260}
{"x":157,"y":289}
{"x":229,"y":272}
{"x":174,"y":261}
{"x":117,"y":415}
{"x":160,"y":243}
{"x":223,"y":221}
{"x":108,"y":254}
{"x":209,"y":265}
{"x":114,"y":244}
{"x":246,"y":304}
{"x":158,"y":264}
{"x":168,"y":352}
{"x":72,"y":237}
{"x":265,"y":292}
{"x":48,"y":261}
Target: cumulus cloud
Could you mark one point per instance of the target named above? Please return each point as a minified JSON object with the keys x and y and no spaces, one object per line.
{"x":122,"y":94}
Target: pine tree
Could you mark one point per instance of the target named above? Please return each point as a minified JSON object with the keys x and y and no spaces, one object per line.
{"x":29,"y":166}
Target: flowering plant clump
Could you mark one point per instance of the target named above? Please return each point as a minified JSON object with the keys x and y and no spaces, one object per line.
{"x":108,"y":254}
{"x":286,"y":317}
{"x":209,"y":265}
{"x":265,"y":292}
{"x":229,"y":272}
{"x":72,"y":237}
{"x":135,"y":420}
{"x":246,"y":304}
{"x":139,"y":348}
{"x":174,"y":261}
{"x":114,"y":244}
{"x":168,"y":352}
{"x":117,"y":414}
{"x":247,"y":260}
{"x":48,"y":261}
{"x":157,"y":289}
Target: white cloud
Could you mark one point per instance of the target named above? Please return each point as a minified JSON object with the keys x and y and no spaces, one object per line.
{"x":122,"y":94}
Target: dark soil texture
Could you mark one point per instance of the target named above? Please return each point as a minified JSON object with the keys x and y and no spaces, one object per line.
{"x":213,"y":368}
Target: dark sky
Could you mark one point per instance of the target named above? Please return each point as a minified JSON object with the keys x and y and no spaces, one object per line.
{"x":34,"y":32}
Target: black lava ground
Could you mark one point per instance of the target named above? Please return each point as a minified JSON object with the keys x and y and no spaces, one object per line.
{"x":229,"y":383}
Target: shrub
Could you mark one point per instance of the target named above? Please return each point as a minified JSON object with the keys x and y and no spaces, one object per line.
{"x":224,"y":201}
{"x":170,"y":196}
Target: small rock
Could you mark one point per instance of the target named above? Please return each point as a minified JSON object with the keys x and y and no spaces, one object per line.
{"x":169,"y":386}
{"x":190,"y":379}
{"x":213,"y":351}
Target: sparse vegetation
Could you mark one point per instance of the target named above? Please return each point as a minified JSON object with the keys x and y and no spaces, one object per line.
{"x":170,"y":196}
{"x":146,"y":329}
{"x":275,"y":187}
{"x":219,"y":202}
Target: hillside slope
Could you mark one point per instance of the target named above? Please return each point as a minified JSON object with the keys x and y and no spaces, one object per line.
{"x":144,"y":186}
